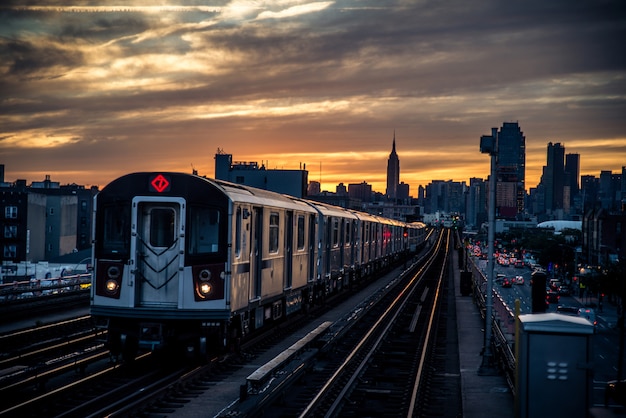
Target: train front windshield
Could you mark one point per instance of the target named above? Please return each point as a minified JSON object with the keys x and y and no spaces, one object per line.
{"x":116,"y":225}
{"x":203,"y":226}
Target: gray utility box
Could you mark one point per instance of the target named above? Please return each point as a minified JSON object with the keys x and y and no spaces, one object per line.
{"x":554,"y":371}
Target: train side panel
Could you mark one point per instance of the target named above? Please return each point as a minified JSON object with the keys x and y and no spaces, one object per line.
{"x":241,"y":257}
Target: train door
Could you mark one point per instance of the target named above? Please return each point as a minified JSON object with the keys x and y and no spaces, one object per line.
{"x":311,"y":247}
{"x":288,"y":250}
{"x":327,"y":250}
{"x":256,"y":253}
{"x":342,"y":243}
{"x":157,"y":250}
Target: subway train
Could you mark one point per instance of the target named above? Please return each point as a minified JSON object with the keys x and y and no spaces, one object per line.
{"x":186,"y":261}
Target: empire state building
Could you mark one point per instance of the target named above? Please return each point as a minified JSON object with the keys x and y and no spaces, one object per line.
{"x":393,"y":172}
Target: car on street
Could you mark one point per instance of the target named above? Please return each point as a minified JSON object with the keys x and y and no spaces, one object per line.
{"x":552,"y":297}
{"x":567,"y":310}
{"x":589,"y":314}
{"x":518,"y":280}
{"x":506,"y":282}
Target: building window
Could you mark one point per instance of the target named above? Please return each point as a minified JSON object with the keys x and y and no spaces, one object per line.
{"x":273,"y":244}
{"x":10,"y":251}
{"x":10,"y":231}
{"x":10,"y":212}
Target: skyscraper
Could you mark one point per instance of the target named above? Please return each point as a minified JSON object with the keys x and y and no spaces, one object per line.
{"x":572,"y":175}
{"x":554,"y":177}
{"x":393,"y":172}
{"x":510,"y":171}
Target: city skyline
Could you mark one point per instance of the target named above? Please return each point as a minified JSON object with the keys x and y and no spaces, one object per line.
{"x":91,"y":92}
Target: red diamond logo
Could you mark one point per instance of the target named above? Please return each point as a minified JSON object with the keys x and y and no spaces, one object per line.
{"x":160,"y":183}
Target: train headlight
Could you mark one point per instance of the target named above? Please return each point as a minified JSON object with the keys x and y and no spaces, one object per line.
{"x":112,"y":285}
{"x":208,"y":282}
{"x":109,"y":276}
{"x":205,"y":288}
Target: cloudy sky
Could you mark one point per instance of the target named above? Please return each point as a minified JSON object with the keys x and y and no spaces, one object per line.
{"x":89,"y":92}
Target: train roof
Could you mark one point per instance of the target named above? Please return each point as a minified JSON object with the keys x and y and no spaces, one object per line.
{"x":247,"y":194}
{"x":330,"y":210}
{"x":137,"y":183}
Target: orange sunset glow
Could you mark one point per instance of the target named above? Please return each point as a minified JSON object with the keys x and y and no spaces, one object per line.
{"x":91,"y":92}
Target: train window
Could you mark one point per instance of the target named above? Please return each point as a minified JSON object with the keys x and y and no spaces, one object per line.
{"x":300,"y":232}
{"x":347,"y":235}
{"x":162,"y":227}
{"x":203,"y":229}
{"x":273,"y":237}
{"x":238,"y":233}
{"x":335,"y":232}
{"x":116,"y":227}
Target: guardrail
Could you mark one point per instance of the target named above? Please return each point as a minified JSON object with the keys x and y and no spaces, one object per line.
{"x":502,"y":323}
{"x":28,"y":289}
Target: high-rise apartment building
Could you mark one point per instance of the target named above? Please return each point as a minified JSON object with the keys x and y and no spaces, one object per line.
{"x":393,"y":172}
{"x":510,"y":171}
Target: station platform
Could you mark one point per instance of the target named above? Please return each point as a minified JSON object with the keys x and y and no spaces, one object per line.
{"x":485,"y":392}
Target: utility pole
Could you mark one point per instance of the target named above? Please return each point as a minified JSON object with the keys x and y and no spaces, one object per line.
{"x":489,"y":145}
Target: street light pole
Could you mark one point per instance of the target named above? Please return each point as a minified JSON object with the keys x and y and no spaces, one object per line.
{"x":489,"y":145}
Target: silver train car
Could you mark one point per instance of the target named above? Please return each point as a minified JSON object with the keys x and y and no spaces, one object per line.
{"x":186,"y":261}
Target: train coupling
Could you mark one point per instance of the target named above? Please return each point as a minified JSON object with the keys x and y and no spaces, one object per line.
{"x":151,"y":336}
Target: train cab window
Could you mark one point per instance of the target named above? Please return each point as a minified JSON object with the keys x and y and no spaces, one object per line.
{"x":273,"y":236}
{"x":115,"y":235}
{"x":162,"y":227}
{"x":203,"y":229}
{"x":300,"y":227}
